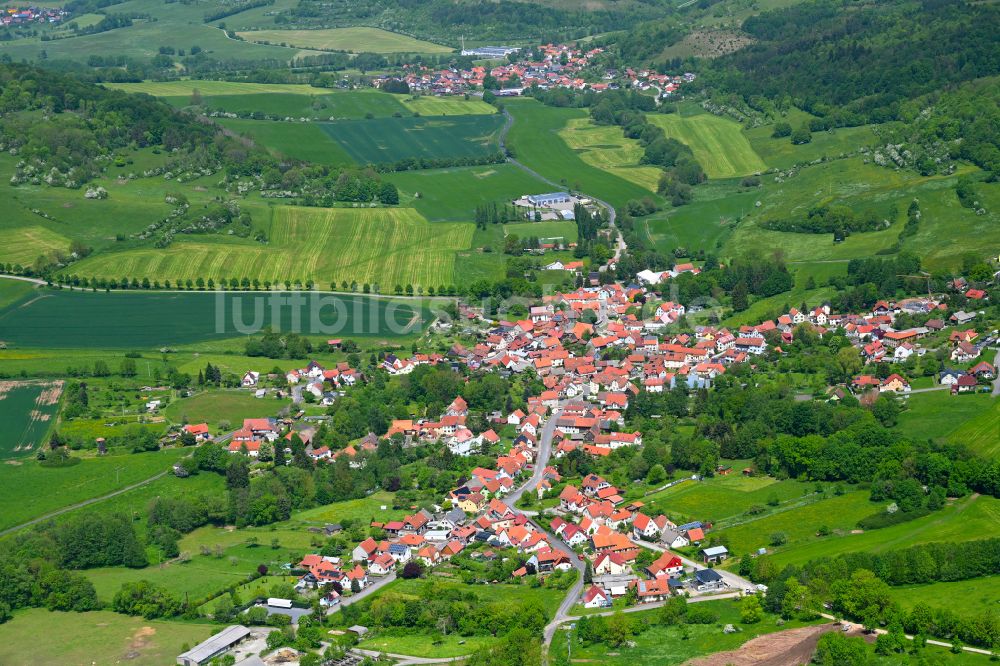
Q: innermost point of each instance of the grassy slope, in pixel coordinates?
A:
(966, 597)
(782, 153)
(718, 143)
(535, 141)
(605, 147)
(922, 419)
(28, 490)
(966, 519)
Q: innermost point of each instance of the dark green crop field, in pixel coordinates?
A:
(383, 140)
(80, 320)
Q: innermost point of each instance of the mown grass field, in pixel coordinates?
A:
(28, 411)
(535, 141)
(968, 419)
(717, 143)
(385, 140)
(149, 320)
(982, 432)
(98, 638)
(451, 195)
(217, 406)
(24, 244)
(387, 246)
(966, 519)
(964, 597)
(606, 147)
(28, 490)
(661, 645)
(354, 40)
(364, 510)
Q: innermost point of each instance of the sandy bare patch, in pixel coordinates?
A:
(67, 205)
(784, 648)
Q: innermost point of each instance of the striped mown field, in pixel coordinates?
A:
(718, 143)
(606, 147)
(387, 246)
(23, 244)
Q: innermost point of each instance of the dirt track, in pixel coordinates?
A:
(784, 648)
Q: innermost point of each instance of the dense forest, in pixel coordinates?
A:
(859, 63)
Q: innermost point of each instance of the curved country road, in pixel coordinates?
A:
(78, 505)
(612, 215)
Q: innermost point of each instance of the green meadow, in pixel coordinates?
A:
(722, 497)
(965, 597)
(781, 153)
(966, 519)
(29, 490)
(223, 405)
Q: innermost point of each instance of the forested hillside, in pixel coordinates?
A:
(859, 63)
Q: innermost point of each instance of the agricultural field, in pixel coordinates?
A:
(605, 147)
(149, 320)
(175, 24)
(98, 638)
(353, 40)
(662, 645)
(386, 140)
(216, 407)
(24, 244)
(28, 411)
(451, 195)
(208, 89)
(535, 142)
(13, 291)
(427, 105)
(29, 490)
(387, 246)
(717, 143)
(300, 141)
(366, 509)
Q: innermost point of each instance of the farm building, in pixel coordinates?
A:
(548, 200)
(214, 646)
